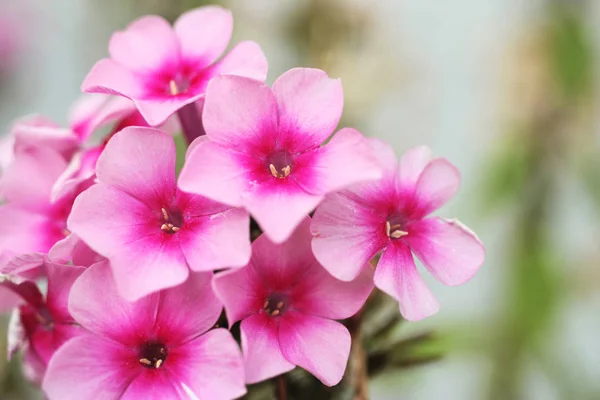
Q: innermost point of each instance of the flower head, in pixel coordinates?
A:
(265, 150)
(159, 347)
(287, 303)
(162, 68)
(41, 324)
(151, 231)
(352, 226)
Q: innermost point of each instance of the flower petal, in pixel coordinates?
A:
(245, 59)
(347, 234)
(151, 384)
(100, 309)
(263, 358)
(89, 367)
(318, 345)
(318, 293)
(240, 113)
(60, 280)
(397, 276)
(279, 206)
(187, 310)
(412, 164)
(146, 45)
(23, 232)
(28, 181)
(204, 34)
(310, 107)
(438, 182)
(209, 367)
(344, 161)
(449, 250)
(156, 109)
(217, 237)
(242, 290)
(213, 171)
(141, 162)
(109, 77)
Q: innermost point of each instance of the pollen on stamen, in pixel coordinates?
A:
(158, 363)
(285, 171)
(173, 89)
(273, 171)
(165, 214)
(145, 361)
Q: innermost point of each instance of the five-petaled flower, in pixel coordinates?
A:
(159, 347)
(287, 303)
(40, 324)
(163, 69)
(265, 148)
(353, 225)
(152, 232)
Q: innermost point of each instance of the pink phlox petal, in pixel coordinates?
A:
(245, 59)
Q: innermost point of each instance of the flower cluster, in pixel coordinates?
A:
(138, 263)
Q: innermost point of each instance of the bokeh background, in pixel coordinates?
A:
(505, 89)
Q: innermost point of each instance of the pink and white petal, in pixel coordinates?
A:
(241, 113)
(310, 107)
(100, 309)
(217, 241)
(263, 358)
(141, 162)
(187, 310)
(78, 175)
(204, 34)
(154, 384)
(282, 265)
(210, 366)
(320, 294)
(23, 232)
(9, 299)
(157, 109)
(73, 249)
(279, 206)
(449, 250)
(28, 181)
(149, 265)
(37, 131)
(83, 112)
(412, 164)
(110, 77)
(115, 110)
(319, 345)
(145, 46)
(242, 291)
(89, 367)
(347, 234)
(216, 172)
(245, 59)
(397, 276)
(108, 220)
(438, 182)
(28, 266)
(344, 161)
(45, 342)
(60, 280)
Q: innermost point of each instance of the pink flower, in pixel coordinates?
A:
(32, 223)
(159, 347)
(352, 226)
(150, 230)
(162, 68)
(41, 324)
(287, 303)
(265, 151)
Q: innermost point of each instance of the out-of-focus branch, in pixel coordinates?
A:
(358, 374)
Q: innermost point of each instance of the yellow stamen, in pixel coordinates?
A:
(274, 313)
(273, 171)
(280, 305)
(165, 227)
(175, 229)
(158, 363)
(286, 170)
(388, 228)
(165, 214)
(173, 88)
(145, 361)
(398, 234)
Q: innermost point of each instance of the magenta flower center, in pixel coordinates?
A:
(275, 304)
(171, 221)
(280, 164)
(153, 355)
(394, 227)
